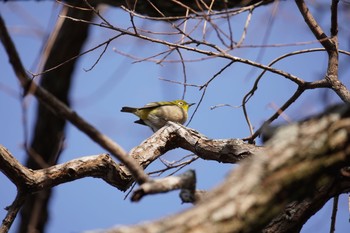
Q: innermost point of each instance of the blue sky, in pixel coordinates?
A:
(116, 81)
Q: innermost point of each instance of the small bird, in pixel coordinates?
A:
(157, 114)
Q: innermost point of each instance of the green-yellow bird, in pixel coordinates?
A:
(157, 114)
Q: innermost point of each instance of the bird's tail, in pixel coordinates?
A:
(128, 109)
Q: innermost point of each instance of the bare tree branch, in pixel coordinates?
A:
(218, 52)
(31, 181)
(299, 154)
(102, 166)
(12, 212)
(185, 181)
(296, 213)
(327, 43)
(331, 46)
(300, 160)
(174, 135)
(171, 136)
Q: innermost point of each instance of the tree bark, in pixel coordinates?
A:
(300, 167)
(65, 42)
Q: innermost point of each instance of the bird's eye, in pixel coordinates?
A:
(181, 103)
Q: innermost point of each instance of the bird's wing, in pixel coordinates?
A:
(155, 104)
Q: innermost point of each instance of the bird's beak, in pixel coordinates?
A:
(191, 104)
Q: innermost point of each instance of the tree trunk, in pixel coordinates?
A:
(65, 42)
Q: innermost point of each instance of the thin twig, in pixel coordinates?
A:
(170, 22)
(307, 85)
(267, 33)
(334, 214)
(291, 100)
(167, 54)
(183, 72)
(280, 112)
(217, 74)
(223, 105)
(182, 165)
(98, 13)
(245, 29)
(132, 16)
(180, 83)
(99, 57)
(184, 27)
(12, 212)
(176, 164)
(198, 104)
(227, 17)
(220, 53)
(137, 59)
(77, 56)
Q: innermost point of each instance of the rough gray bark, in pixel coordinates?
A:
(301, 162)
(298, 171)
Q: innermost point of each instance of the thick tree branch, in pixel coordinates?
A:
(174, 135)
(303, 153)
(171, 136)
(31, 181)
(298, 212)
(298, 161)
